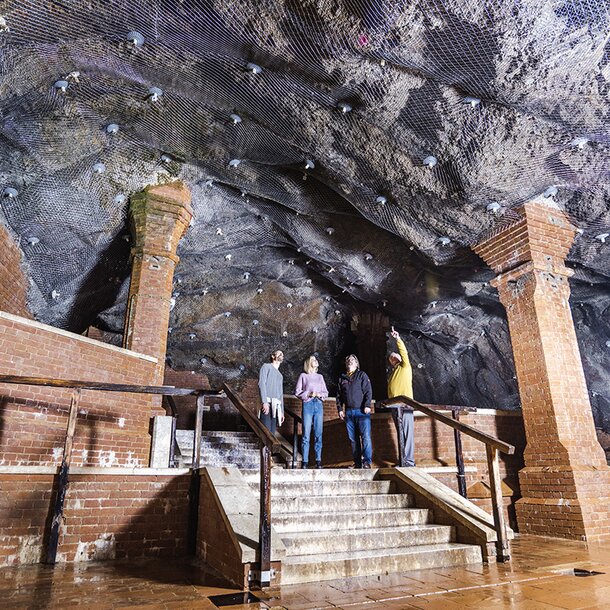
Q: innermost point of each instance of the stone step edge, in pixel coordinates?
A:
(398, 529)
(351, 555)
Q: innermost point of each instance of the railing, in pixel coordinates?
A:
(493, 445)
(296, 420)
(397, 411)
(268, 444)
(64, 469)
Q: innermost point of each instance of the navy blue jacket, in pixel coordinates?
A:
(354, 391)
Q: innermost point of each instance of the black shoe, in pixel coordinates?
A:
(319, 465)
(304, 465)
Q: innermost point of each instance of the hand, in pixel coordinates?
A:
(281, 420)
(395, 334)
(266, 408)
(313, 394)
(342, 414)
(367, 410)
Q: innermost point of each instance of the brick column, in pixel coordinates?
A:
(159, 217)
(566, 482)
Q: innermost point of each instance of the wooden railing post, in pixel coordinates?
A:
(295, 441)
(495, 483)
(62, 480)
(459, 456)
(194, 489)
(264, 545)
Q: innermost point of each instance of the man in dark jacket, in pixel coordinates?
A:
(354, 394)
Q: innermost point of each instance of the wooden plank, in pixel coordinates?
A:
(265, 518)
(63, 480)
(106, 387)
(495, 483)
(253, 422)
(457, 425)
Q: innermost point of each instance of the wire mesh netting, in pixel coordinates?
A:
(336, 150)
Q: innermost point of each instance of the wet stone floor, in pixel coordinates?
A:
(541, 575)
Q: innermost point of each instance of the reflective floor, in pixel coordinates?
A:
(541, 575)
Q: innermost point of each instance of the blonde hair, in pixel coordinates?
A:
(308, 367)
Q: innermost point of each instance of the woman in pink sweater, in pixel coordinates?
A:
(311, 389)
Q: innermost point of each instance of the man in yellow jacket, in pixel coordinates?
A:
(400, 383)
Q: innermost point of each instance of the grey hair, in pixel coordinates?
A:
(355, 358)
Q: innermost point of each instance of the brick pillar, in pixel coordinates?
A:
(566, 482)
(159, 217)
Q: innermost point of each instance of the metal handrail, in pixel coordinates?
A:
(493, 445)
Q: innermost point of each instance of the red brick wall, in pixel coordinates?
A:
(13, 284)
(107, 516)
(112, 428)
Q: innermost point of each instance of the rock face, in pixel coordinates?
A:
(343, 156)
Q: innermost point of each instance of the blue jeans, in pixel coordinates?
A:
(313, 413)
(359, 431)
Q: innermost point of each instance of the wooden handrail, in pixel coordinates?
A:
(492, 441)
(493, 445)
(165, 390)
(253, 422)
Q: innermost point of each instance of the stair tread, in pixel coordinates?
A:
(400, 529)
(352, 555)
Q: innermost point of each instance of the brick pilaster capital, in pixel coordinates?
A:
(160, 215)
(540, 238)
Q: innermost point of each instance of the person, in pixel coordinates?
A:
(271, 386)
(311, 389)
(354, 394)
(400, 383)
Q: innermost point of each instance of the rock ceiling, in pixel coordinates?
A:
(342, 155)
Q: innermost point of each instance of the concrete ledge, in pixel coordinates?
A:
(74, 336)
(84, 470)
(240, 508)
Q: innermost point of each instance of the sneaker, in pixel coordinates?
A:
(304, 465)
(319, 465)
(368, 466)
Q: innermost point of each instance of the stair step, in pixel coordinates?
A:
(331, 504)
(326, 488)
(350, 520)
(227, 434)
(324, 474)
(312, 543)
(348, 564)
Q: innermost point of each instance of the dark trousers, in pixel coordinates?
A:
(268, 421)
(358, 426)
(405, 428)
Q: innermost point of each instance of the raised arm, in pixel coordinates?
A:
(404, 355)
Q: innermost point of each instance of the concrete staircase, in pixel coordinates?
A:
(220, 448)
(338, 523)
